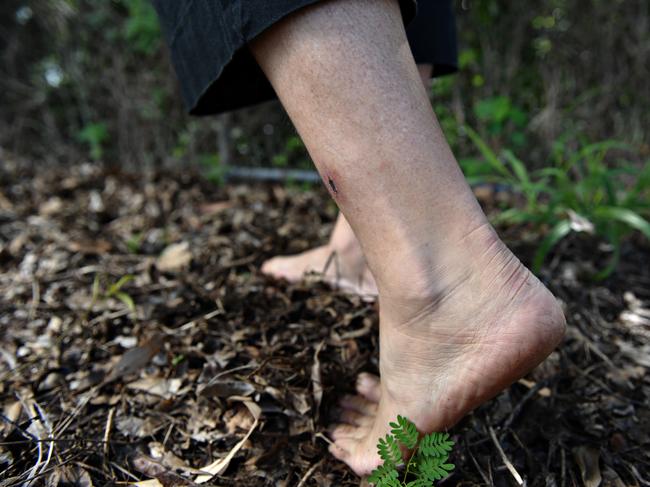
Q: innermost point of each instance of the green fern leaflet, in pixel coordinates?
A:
(385, 476)
(389, 451)
(428, 461)
(434, 468)
(436, 444)
(405, 432)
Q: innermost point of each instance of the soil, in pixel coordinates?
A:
(140, 341)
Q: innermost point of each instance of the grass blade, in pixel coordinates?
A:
(557, 233)
(488, 153)
(624, 215)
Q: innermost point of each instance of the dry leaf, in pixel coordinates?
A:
(221, 465)
(136, 358)
(175, 257)
(12, 413)
(316, 382)
(158, 386)
(163, 476)
(587, 459)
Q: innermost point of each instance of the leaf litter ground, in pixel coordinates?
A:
(141, 342)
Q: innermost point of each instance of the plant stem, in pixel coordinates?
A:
(408, 465)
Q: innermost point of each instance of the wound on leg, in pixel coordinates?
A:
(332, 185)
(332, 180)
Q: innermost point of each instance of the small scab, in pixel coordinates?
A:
(332, 185)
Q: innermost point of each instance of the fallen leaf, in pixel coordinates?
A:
(221, 465)
(226, 389)
(238, 418)
(162, 475)
(587, 459)
(50, 207)
(136, 358)
(175, 257)
(70, 475)
(316, 382)
(158, 386)
(12, 414)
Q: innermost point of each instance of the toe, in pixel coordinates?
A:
(270, 267)
(341, 431)
(344, 446)
(368, 386)
(339, 452)
(355, 418)
(359, 404)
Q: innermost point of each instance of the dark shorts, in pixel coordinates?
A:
(208, 43)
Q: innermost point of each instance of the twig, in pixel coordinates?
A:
(505, 459)
(107, 431)
(48, 427)
(123, 470)
(309, 473)
(185, 326)
(36, 297)
(89, 395)
(478, 467)
(517, 409)
(324, 438)
(109, 316)
(35, 411)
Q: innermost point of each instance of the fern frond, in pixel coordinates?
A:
(435, 445)
(434, 468)
(405, 431)
(385, 476)
(389, 451)
(419, 483)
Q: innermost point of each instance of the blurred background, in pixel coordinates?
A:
(92, 79)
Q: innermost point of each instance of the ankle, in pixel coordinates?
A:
(431, 271)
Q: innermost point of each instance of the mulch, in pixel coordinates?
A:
(140, 341)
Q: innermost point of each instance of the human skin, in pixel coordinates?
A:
(340, 262)
(460, 318)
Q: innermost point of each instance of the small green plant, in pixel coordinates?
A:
(214, 171)
(112, 291)
(134, 242)
(95, 136)
(427, 462)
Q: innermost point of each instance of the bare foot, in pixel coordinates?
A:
(340, 263)
(447, 348)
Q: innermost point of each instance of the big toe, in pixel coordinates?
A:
(277, 267)
(353, 452)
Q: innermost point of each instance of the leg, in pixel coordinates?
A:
(460, 317)
(350, 272)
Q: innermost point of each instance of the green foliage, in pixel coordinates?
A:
(214, 171)
(428, 461)
(578, 192)
(141, 28)
(389, 450)
(292, 154)
(94, 135)
(436, 444)
(500, 117)
(113, 290)
(134, 242)
(405, 432)
(385, 476)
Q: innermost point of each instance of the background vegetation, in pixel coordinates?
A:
(92, 78)
(551, 101)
